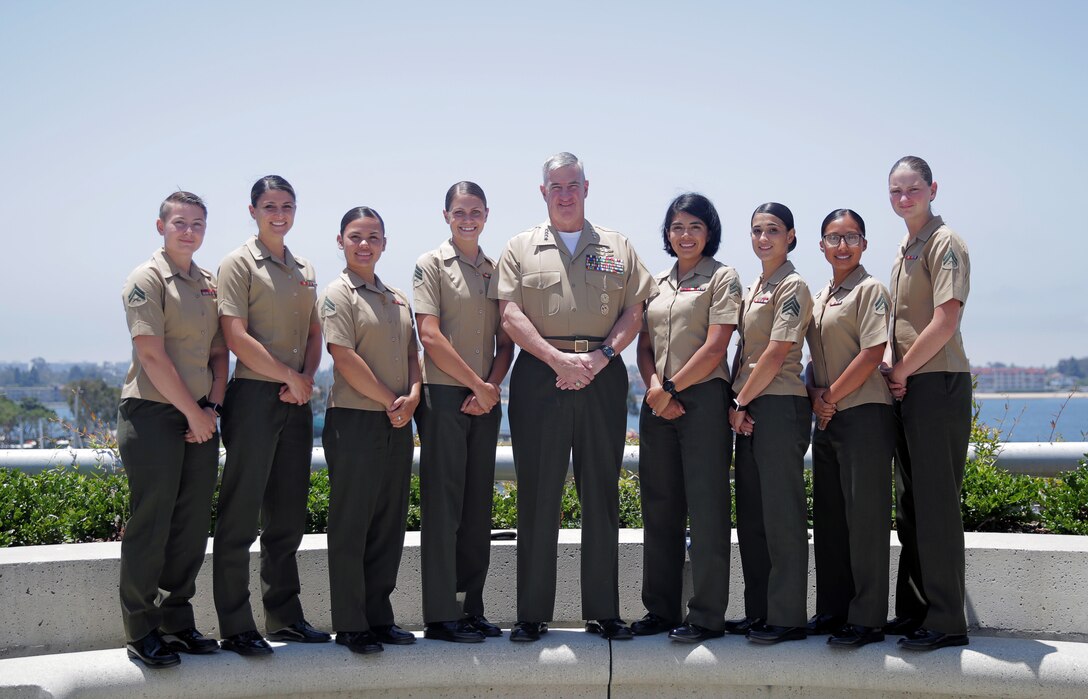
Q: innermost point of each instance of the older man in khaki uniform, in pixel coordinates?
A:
(570, 295)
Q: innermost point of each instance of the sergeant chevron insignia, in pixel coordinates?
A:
(792, 307)
(735, 288)
(950, 261)
(881, 306)
(328, 308)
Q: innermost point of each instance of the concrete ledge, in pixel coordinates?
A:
(60, 599)
(573, 664)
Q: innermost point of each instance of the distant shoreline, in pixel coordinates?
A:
(1034, 394)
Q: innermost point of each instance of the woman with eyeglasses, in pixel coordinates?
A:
(928, 373)
(771, 417)
(853, 441)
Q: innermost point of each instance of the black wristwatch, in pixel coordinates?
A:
(669, 387)
(217, 408)
(738, 407)
(607, 351)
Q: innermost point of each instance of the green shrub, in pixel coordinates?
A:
(1064, 508)
(504, 510)
(992, 499)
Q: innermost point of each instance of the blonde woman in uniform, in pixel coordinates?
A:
(466, 355)
(167, 436)
(853, 442)
(368, 436)
(685, 454)
(928, 373)
(771, 416)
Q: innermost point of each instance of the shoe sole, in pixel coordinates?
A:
(293, 639)
(448, 639)
(934, 646)
(853, 643)
(179, 648)
(772, 641)
(154, 664)
(701, 639)
(249, 652)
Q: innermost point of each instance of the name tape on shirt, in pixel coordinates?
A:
(604, 263)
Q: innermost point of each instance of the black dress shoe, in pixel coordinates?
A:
(651, 624)
(693, 633)
(924, 639)
(824, 624)
(151, 652)
(189, 641)
(526, 631)
(246, 643)
(769, 635)
(741, 627)
(481, 624)
(393, 635)
(854, 636)
(300, 632)
(902, 625)
(363, 642)
(453, 631)
(610, 629)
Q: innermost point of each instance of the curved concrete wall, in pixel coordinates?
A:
(59, 599)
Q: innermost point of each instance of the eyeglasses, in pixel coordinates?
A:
(852, 239)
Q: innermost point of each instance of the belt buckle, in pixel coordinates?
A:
(581, 345)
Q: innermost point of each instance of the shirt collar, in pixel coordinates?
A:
(168, 269)
(260, 251)
(779, 274)
(448, 251)
(357, 282)
(926, 233)
(852, 280)
(547, 236)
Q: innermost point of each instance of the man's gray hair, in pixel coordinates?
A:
(563, 159)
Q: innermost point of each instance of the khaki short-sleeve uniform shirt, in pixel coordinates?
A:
(178, 306)
(846, 319)
(930, 269)
(777, 308)
(680, 316)
(376, 321)
(455, 290)
(572, 296)
(278, 301)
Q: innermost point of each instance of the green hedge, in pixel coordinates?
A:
(72, 506)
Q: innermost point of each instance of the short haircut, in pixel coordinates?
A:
(701, 208)
(180, 197)
(563, 159)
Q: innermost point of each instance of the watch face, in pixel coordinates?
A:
(608, 351)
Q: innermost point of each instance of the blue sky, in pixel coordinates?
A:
(108, 107)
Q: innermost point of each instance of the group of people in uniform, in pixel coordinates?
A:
(887, 375)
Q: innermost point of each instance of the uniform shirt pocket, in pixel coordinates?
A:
(543, 291)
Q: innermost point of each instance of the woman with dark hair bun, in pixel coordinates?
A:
(771, 416)
(853, 442)
(268, 312)
(368, 436)
(928, 373)
(685, 453)
(466, 354)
